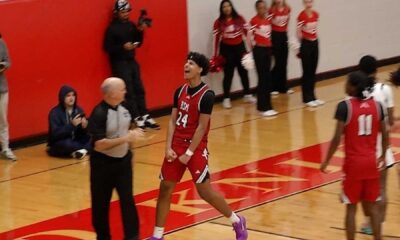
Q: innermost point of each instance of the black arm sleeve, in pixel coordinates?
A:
(207, 102)
(341, 112)
(97, 124)
(176, 97)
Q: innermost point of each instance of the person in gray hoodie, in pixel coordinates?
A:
(68, 136)
(4, 135)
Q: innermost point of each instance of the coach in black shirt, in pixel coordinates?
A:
(111, 160)
(121, 39)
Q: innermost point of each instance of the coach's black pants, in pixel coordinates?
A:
(233, 56)
(107, 173)
(280, 52)
(309, 61)
(262, 58)
(129, 71)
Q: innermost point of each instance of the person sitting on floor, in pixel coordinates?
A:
(67, 135)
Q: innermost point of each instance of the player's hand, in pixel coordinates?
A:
(170, 155)
(129, 46)
(76, 120)
(324, 167)
(184, 159)
(381, 163)
(84, 122)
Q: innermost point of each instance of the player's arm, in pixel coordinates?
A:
(385, 139)
(390, 104)
(333, 145)
(108, 143)
(169, 153)
(341, 117)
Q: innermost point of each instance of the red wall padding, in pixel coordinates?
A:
(60, 42)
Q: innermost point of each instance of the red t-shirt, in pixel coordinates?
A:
(308, 25)
(279, 18)
(261, 30)
(230, 32)
(188, 115)
(362, 119)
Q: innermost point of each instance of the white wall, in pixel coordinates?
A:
(348, 29)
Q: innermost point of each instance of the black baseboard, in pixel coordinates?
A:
(165, 110)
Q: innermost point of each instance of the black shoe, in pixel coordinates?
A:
(150, 123)
(140, 123)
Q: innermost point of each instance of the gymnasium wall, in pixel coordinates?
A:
(347, 31)
(52, 43)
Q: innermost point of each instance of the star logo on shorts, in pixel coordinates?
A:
(197, 172)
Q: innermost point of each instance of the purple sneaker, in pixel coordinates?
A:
(240, 229)
(154, 238)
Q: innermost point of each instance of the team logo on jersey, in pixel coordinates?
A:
(184, 106)
(364, 105)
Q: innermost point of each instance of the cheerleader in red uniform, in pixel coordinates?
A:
(260, 33)
(307, 33)
(229, 30)
(280, 15)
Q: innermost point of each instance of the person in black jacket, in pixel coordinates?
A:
(121, 39)
(67, 127)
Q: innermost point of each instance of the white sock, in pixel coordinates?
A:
(234, 218)
(158, 232)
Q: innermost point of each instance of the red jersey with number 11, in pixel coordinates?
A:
(361, 133)
(188, 115)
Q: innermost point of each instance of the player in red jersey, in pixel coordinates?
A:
(307, 22)
(359, 119)
(186, 147)
(260, 33)
(280, 15)
(229, 31)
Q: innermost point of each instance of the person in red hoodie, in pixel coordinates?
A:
(260, 33)
(229, 30)
(307, 33)
(280, 15)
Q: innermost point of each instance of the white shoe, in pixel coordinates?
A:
(290, 91)
(269, 113)
(249, 99)
(274, 93)
(8, 154)
(226, 103)
(79, 154)
(319, 102)
(312, 104)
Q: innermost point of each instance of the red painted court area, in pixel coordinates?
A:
(244, 187)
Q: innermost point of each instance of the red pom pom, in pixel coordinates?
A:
(217, 63)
